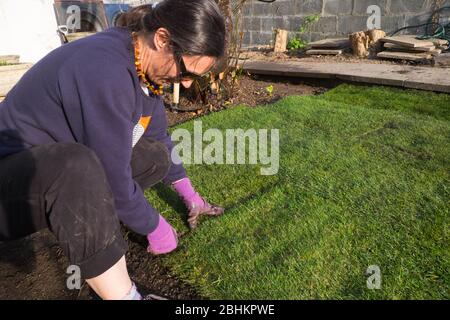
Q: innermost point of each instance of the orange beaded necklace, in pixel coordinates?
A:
(154, 89)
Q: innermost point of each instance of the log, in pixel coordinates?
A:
(375, 45)
(281, 40)
(360, 44)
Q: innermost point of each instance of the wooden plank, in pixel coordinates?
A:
(10, 59)
(397, 47)
(281, 40)
(10, 75)
(404, 56)
(408, 41)
(323, 52)
(340, 43)
(415, 77)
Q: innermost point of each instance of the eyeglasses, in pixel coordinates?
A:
(183, 73)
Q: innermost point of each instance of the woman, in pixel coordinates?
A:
(84, 132)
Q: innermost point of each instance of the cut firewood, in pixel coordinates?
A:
(340, 43)
(408, 41)
(323, 52)
(404, 56)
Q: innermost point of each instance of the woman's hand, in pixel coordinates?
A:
(196, 205)
(196, 210)
(163, 239)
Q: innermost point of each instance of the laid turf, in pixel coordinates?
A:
(363, 180)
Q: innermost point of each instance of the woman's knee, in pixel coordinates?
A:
(150, 162)
(80, 205)
(76, 157)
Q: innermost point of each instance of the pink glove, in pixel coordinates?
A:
(163, 239)
(195, 204)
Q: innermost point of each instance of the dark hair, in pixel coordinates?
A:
(196, 27)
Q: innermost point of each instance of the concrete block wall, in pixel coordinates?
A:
(338, 17)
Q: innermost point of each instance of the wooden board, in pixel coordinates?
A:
(323, 52)
(394, 46)
(404, 56)
(408, 41)
(340, 43)
(414, 77)
(10, 59)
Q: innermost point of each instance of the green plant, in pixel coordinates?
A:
(269, 90)
(297, 42)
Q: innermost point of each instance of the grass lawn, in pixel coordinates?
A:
(363, 180)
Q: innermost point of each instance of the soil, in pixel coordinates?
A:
(35, 267)
(251, 91)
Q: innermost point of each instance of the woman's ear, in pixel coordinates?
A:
(161, 39)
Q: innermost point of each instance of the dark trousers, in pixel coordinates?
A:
(63, 187)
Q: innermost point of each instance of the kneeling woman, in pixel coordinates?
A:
(84, 132)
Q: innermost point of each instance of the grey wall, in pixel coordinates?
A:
(338, 17)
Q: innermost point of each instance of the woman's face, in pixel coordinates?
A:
(168, 68)
(165, 67)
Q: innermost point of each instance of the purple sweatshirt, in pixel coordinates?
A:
(88, 92)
